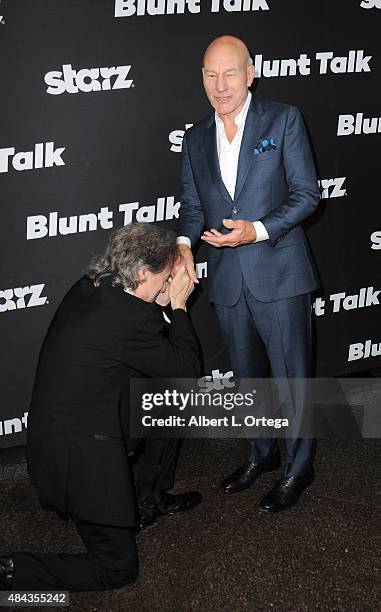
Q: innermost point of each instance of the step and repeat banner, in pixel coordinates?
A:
(96, 96)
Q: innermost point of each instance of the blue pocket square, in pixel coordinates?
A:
(264, 145)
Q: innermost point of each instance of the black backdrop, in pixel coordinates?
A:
(121, 129)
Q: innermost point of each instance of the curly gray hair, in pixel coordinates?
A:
(135, 246)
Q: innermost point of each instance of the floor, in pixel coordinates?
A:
(323, 554)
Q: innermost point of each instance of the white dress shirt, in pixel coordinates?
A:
(228, 155)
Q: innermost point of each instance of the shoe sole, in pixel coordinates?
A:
(169, 514)
(196, 503)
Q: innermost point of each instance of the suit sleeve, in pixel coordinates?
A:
(191, 219)
(299, 168)
(161, 353)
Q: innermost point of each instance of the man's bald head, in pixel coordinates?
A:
(228, 72)
(236, 44)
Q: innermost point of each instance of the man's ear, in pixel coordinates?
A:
(142, 275)
(250, 75)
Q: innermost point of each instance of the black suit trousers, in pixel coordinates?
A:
(157, 469)
(111, 562)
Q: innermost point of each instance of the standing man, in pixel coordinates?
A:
(248, 176)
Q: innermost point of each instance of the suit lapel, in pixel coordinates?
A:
(250, 139)
(212, 157)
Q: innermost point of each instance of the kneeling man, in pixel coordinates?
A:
(107, 330)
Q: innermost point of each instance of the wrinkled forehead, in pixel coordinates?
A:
(225, 55)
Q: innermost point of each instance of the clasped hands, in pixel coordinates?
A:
(177, 288)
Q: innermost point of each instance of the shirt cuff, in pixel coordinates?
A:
(261, 231)
(166, 317)
(185, 240)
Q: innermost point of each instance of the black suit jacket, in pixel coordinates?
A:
(98, 340)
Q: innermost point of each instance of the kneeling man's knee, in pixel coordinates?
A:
(116, 579)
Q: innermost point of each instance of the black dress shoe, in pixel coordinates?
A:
(168, 504)
(286, 492)
(248, 473)
(6, 573)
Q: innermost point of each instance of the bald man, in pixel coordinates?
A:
(249, 181)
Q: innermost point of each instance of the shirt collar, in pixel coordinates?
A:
(241, 117)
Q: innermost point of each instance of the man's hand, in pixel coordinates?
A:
(188, 262)
(163, 298)
(180, 288)
(242, 232)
